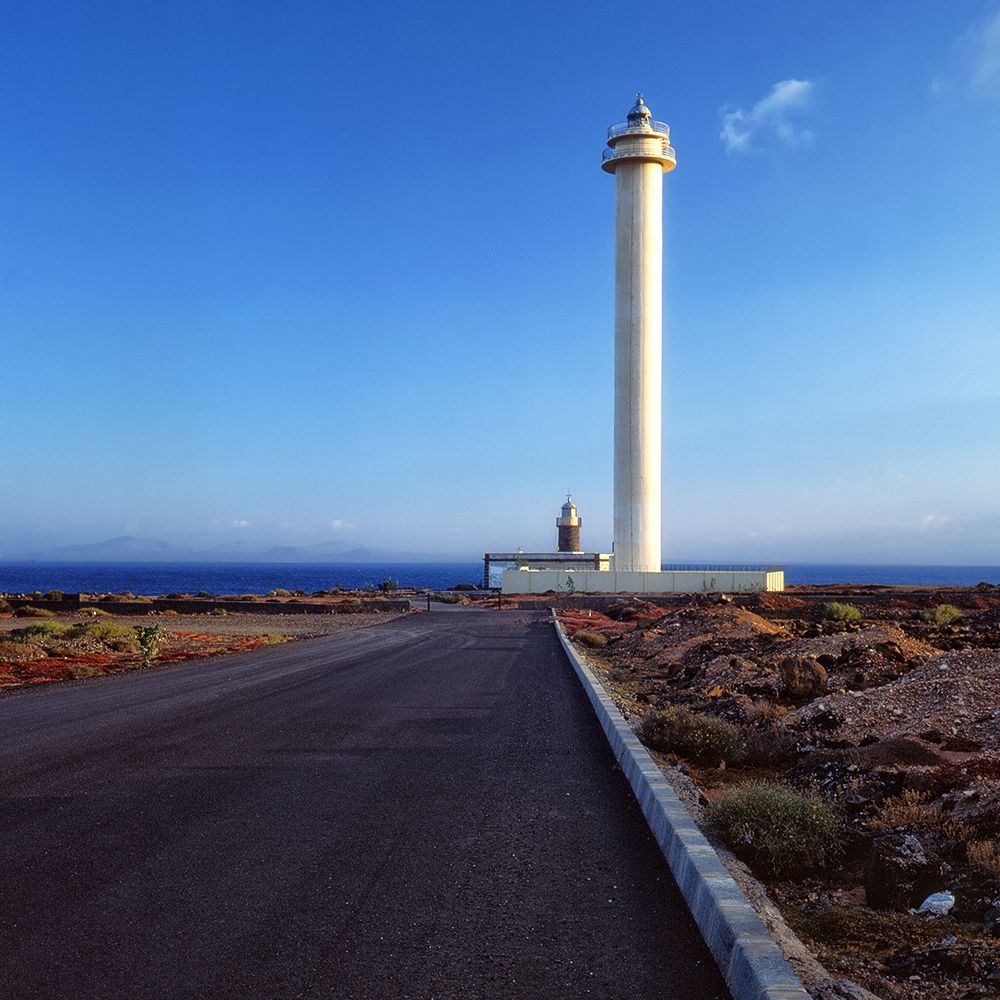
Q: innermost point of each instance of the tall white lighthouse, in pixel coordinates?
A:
(639, 154)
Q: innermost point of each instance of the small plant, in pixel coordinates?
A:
(837, 612)
(943, 614)
(55, 595)
(149, 638)
(592, 639)
(4, 607)
(912, 808)
(444, 598)
(275, 639)
(30, 611)
(387, 585)
(985, 855)
(778, 830)
(704, 739)
(219, 612)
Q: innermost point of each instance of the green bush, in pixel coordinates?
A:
(446, 598)
(275, 639)
(837, 612)
(704, 739)
(943, 614)
(593, 639)
(39, 631)
(4, 607)
(95, 612)
(388, 584)
(55, 595)
(29, 611)
(149, 637)
(219, 612)
(779, 831)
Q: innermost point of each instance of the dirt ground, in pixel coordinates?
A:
(894, 717)
(83, 645)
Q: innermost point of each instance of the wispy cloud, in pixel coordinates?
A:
(974, 63)
(771, 116)
(934, 522)
(241, 523)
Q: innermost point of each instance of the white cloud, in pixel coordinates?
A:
(932, 522)
(974, 63)
(338, 524)
(241, 523)
(771, 115)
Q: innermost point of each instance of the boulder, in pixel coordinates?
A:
(900, 872)
(802, 678)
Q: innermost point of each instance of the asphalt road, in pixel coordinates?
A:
(426, 809)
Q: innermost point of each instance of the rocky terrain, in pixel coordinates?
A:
(887, 710)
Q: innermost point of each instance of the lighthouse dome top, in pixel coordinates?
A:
(569, 508)
(640, 112)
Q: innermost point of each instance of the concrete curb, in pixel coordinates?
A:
(751, 962)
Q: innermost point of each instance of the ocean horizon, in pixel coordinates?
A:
(258, 578)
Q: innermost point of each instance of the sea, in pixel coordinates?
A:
(259, 578)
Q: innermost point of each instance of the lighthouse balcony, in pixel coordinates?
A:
(639, 128)
(664, 155)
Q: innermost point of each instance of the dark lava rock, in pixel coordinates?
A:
(900, 872)
(802, 678)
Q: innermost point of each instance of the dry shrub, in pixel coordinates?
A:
(958, 831)
(29, 611)
(704, 739)
(985, 855)
(770, 747)
(912, 808)
(119, 638)
(778, 830)
(4, 607)
(80, 672)
(95, 612)
(18, 650)
(275, 639)
(592, 639)
(762, 712)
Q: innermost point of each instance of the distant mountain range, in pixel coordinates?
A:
(128, 548)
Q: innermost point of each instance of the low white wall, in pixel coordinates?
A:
(528, 581)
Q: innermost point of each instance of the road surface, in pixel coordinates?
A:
(426, 809)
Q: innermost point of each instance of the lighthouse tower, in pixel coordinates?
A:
(639, 154)
(568, 524)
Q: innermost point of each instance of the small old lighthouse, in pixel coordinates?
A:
(639, 154)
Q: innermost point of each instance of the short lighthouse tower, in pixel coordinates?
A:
(639, 154)
(568, 525)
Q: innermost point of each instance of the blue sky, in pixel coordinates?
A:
(292, 272)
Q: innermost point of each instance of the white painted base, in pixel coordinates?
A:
(540, 581)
